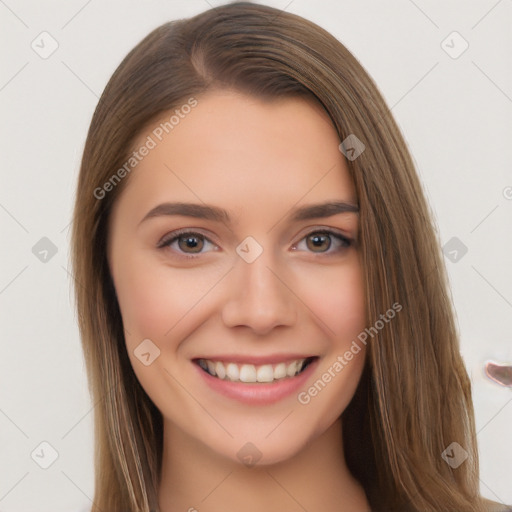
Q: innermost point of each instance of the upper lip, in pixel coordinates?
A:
(255, 360)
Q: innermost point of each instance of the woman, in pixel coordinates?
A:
(262, 300)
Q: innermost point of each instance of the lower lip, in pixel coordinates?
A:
(258, 394)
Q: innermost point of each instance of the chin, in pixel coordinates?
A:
(266, 445)
(262, 453)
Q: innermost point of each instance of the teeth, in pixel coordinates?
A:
(291, 369)
(220, 371)
(265, 373)
(250, 373)
(280, 371)
(211, 367)
(232, 371)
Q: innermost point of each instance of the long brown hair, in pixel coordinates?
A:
(414, 397)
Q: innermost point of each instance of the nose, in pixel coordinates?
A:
(259, 297)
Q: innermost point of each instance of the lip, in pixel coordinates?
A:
(258, 393)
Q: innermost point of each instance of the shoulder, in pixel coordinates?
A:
(494, 506)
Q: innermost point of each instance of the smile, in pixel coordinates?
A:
(250, 373)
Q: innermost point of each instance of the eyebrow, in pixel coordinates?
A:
(214, 213)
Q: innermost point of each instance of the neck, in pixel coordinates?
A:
(196, 479)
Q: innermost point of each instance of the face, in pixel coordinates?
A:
(233, 250)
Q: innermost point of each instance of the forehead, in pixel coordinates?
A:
(235, 148)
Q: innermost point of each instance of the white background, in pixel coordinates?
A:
(456, 116)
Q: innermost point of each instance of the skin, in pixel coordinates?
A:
(258, 160)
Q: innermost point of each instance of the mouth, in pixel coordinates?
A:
(254, 374)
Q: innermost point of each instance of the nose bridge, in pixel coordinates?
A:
(257, 296)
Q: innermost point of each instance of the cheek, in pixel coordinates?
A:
(158, 301)
(336, 296)
(150, 301)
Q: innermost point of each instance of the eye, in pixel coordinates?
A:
(188, 243)
(322, 241)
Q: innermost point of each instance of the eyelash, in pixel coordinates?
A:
(175, 235)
